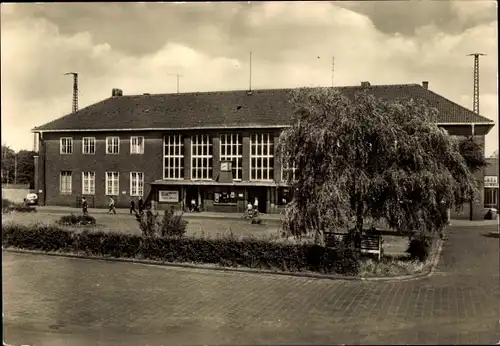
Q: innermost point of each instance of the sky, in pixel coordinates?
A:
(138, 48)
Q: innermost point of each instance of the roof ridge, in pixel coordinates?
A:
(459, 105)
(268, 89)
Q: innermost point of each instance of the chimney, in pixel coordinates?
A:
(116, 92)
(425, 84)
(365, 84)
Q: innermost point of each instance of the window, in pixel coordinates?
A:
(288, 169)
(173, 157)
(66, 145)
(137, 145)
(88, 183)
(112, 145)
(201, 157)
(228, 196)
(490, 197)
(112, 183)
(65, 182)
(88, 145)
(231, 150)
(261, 157)
(136, 184)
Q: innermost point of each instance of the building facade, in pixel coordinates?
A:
(491, 184)
(217, 149)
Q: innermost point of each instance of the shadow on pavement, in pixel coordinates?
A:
(491, 235)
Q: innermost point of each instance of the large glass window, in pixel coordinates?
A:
(201, 157)
(491, 197)
(288, 169)
(173, 161)
(261, 157)
(231, 150)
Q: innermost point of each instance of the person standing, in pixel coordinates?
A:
(141, 205)
(111, 206)
(85, 206)
(132, 206)
(256, 205)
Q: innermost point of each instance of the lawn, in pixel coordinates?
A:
(207, 227)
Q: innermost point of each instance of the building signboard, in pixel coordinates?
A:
(490, 181)
(168, 196)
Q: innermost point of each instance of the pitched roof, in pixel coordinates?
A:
(263, 108)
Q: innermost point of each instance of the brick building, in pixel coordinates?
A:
(217, 148)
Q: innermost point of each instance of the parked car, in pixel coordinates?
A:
(31, 199)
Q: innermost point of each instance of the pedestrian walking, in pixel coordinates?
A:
(85, 206)
(132, 206)
(141, 206)
(111, 206)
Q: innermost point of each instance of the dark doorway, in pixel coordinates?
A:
(261, 194)
(192, 193)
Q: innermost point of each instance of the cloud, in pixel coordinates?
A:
(136, 47)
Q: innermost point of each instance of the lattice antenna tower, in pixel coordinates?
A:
(75, 90)
(475, 106)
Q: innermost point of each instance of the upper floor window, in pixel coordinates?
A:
(88, 145)
(173, 157)
(112, 145)
(136, 145)
(288, 169)
(67, 145)
(261, 157)
(231, 150)
(65, 182)
(201, 157)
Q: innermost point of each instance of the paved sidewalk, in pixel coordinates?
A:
(59, 301)
(203, 214)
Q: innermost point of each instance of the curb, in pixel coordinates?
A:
(427, 272)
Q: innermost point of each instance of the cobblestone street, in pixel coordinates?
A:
(61, 301)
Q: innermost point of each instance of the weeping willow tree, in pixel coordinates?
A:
(369, 159)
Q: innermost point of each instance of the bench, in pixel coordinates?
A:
(371, 243)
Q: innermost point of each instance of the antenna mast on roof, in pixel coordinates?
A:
(178, 75)
(333, 69)
(75, 90)
(475, 106)
(250, 76)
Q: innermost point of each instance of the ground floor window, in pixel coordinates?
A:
(66, 182)
(228, 196)
(112, 183)
(88, 183)
(136, 184)
(491, 197)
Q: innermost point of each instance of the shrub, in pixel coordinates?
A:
(419, 248)
(256, 221)
(9, 206)
(73, 219)
(168, 225)
(225, 251)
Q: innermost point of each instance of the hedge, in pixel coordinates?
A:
(9, 206)
(73, 219)
(228, 252)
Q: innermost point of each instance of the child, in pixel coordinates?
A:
(141, 206)
(132, 206)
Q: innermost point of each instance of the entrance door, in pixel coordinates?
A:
(192, 193)
(261, 194)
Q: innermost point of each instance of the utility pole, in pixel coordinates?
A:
(333, 69)
(178, 76)
(75, 90)
(250, 75)
(15, 168)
